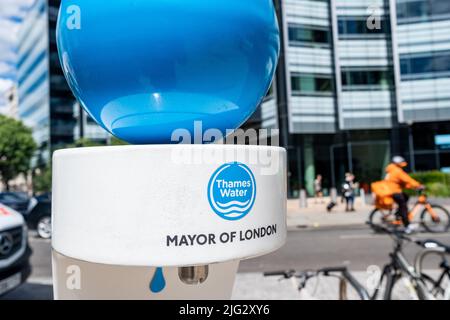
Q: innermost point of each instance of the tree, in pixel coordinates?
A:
(86, 142)
(117, 142)
(83, 143)
(42, 180)
(17, 147)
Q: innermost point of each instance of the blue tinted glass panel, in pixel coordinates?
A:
(359, 26)
(308, 34)
(423, 10)
(433, 64)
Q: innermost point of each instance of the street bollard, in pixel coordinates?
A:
(333, 195)
(303, 199)
(362, 194)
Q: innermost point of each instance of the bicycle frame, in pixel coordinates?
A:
(346, 277)
(421, 203)
(437, 285)
(393, 271)
(342, 273)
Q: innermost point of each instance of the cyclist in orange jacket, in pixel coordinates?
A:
(399, 180)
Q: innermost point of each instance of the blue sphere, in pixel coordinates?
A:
(145, 68)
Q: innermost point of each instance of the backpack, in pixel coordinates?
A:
(383, 194)
(347, 190)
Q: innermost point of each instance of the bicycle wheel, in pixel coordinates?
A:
(381, 217)
(398, 287)
(435, 226)
(383, 291)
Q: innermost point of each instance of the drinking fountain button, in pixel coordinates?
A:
(193, 275)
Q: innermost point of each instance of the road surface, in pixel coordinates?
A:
(356, 247)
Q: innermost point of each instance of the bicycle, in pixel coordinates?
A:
(437, 288)
(422, 286)
(434, 218)
(341, 273)
(399, 268)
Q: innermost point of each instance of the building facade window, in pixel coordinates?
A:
(430, 65)
(311, 85)
(366, 79)
(300, 35)
(356, 27)
(422, 10)
(90, 120)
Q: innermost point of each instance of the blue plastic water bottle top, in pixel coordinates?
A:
(143, 69)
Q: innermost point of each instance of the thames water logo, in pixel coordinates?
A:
(232, 191)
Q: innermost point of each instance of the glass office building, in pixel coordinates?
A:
(34, 78)
(9, 103)
(359, 81)
(45, 102)
(68, 121)
(62, 102)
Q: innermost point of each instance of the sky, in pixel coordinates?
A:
(12, 13)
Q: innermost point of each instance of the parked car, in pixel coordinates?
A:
(39, 215)
(14, 250)
(18, 201)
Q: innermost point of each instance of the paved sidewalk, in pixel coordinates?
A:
(316, 215)
(254, 286)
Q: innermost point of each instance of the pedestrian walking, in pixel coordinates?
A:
(318, 191)
(348, 192)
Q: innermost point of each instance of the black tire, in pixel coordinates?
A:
(433, 227)
(396, 290)
(43, 227)
(391, 280)
(434, 288)
(386, 285)
(376, 217)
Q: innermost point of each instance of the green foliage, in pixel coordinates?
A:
(16, 148)
(431, 177)
(42, 180)
(84, 143)
(117, 142)
(436, 182)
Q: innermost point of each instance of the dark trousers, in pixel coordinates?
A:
(349, 203)
(402, 200)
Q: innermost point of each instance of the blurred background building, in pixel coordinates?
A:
(10, 104)
(69, 121)
(45, 102)
(33, 78)
(359, 81)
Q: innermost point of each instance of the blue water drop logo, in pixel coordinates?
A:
(158, 282)
(232, 191)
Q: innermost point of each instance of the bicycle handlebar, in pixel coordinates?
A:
(421, 189)
(284, 273)
(433, 245)
(427, 244)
